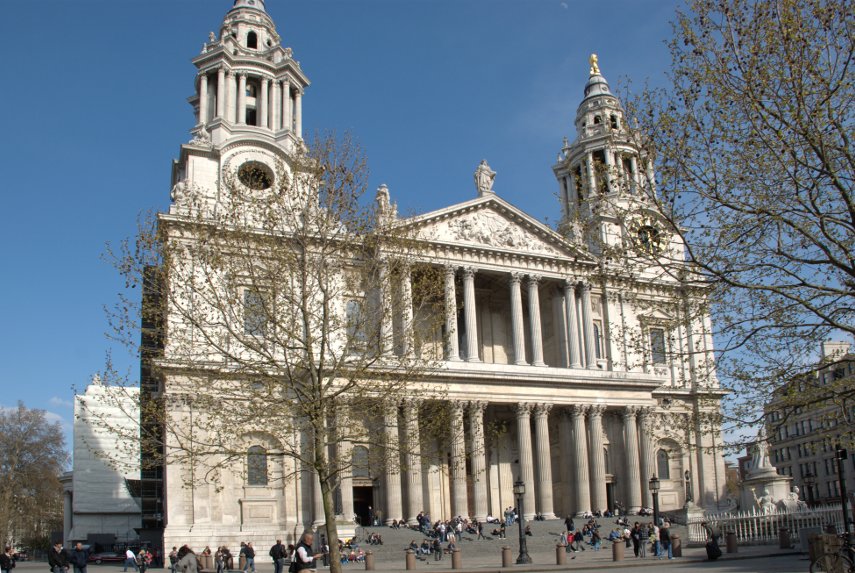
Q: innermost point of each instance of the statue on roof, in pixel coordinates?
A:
(595, 68)
(484, 177)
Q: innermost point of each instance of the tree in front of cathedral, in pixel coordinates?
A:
(32, 457)
(755, 171)
(285, 324)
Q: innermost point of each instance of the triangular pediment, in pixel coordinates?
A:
(491, 223)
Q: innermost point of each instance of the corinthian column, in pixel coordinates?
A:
(318, 517)
(241, 119)
(452, 349)
(459, 499)
(572, 324)
(471, 315)
(478, 456)
(534, 321)
(221, 92)
(646, 446)
(415, 501)
(599, 501)
(544, 461)
(526, 466)
(580, 460)
(386, 332)
(275, 105)
(298, 113)
(588, 324)
(287, 118)
(407, 311)
(630, 438)
(229, 97)
(203, 98)
(393, 471)
(345, 448)
(517, 319)
(262, 103)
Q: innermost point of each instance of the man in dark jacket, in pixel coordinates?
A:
(277, 552)
(665, 541)
(7, 560)
(79, 557)
(304, 559)
(58, 559)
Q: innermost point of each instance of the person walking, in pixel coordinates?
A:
(437, 549)
(304, 559)
(79, 558)
(249, 554)
(173, 559)
(665, 541)
(130, 559)
(187, 561)
(635, 535)
(58, 559)
(277, 553)
(7, 560)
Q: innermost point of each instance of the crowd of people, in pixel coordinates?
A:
(641, 537)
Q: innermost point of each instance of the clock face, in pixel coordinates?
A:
(255, 175)
(649, 239)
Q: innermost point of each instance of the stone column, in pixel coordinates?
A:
(588, 322)
(565, 468)
(203, 98)
(241, 111)
(478, 457)
(599, 501)
(407, 311)
(471, 315)
(229, 100)
(459, 499)
(633, 161)
(452, 349)
(386, 331)
(393, 512)
(287, 121)
(221, 92)
(67, 513)
(572, 324)
(262, 103)
(545, 502)
(275, 106)
(517, 319)
(582, 484)
(592, 177)
(415, 499)
(526, 466)
(298, 113)
(534, 321)
(318, 517)
(633, 479)
(558, 305)
(645, 416)
(345, 482)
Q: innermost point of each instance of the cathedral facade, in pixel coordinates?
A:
(598, 379)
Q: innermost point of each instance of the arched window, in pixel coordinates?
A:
(252, 40)
(256, 466)
(359, 462)
(597, 120)
(613, 120)
(663, 467)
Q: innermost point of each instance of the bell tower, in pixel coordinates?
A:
(248, 84)
(604, 175)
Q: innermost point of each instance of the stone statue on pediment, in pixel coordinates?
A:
(484, 177)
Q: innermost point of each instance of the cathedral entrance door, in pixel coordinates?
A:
(363, 499)
(610, 495)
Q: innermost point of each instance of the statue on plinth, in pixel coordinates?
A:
(484, 177)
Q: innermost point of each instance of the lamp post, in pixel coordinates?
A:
(519, 491)
(653, 485)
(810, 481)
(840, 454)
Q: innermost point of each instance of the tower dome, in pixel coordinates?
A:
(257, 4)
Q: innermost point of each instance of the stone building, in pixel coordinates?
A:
(803, 439)
(597, 379)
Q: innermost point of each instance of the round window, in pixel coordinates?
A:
(649, 239)
(255, 175)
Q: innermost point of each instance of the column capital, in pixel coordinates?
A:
(230, 73)
(542, 410)
(586, 285)
(597, 410)
(524, 409)
(577, 410)
(516, 277)
(265, 80)
(450, 270)
(457, 407)
(570, 283)
(469, 272)
(533, 279)
(477, 406)
(630, 412)
(411, 405)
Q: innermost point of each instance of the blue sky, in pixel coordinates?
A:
(95, 93)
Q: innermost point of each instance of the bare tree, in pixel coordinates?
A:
(32, 457)
(290, 319)
(752, 146)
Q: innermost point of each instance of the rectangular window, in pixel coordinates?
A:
(254, 313)
(657, 345)
(598, 340)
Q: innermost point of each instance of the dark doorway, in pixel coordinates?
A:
(610, 496)
(363, 500)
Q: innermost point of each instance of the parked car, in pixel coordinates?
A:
(22, 555)
(108, 557)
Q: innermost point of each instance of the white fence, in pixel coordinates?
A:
(756, 528)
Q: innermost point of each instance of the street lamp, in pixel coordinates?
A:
(840, 454)
(809, 481)
(519, 491)
(654, 489)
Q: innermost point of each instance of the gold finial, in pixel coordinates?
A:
(595, 69)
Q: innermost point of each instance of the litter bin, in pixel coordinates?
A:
(560, 555)
(618, 549)
(730, 542)
(507, 558)
(242, 562)
(411, 559)
(676, 545)
(456, 559)
(369, 560)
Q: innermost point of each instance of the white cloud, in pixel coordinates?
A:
(565, 5)
(57, 401)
